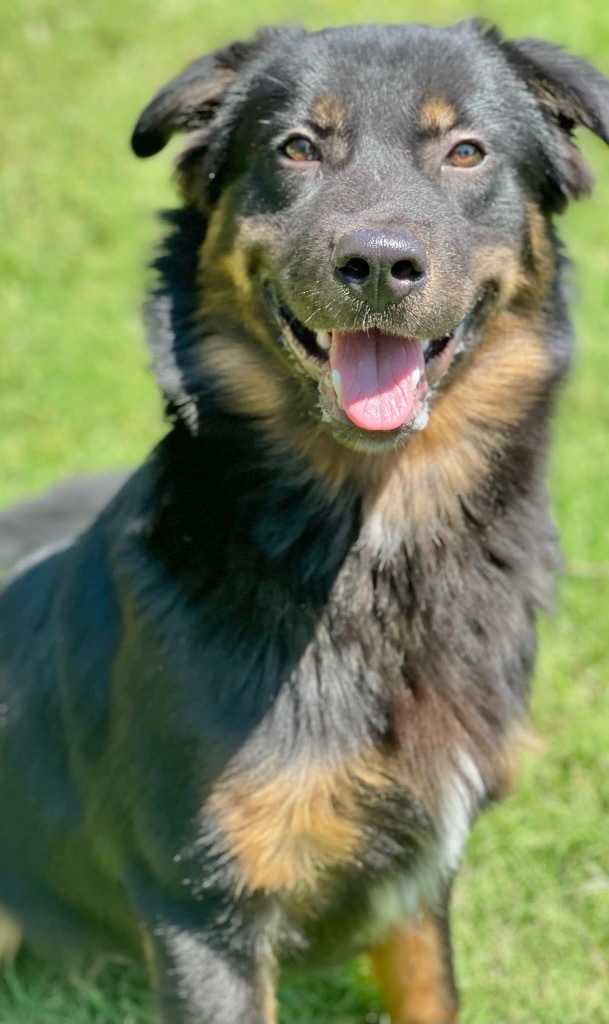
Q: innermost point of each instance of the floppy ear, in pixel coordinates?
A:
(190, 101)
(570, 93)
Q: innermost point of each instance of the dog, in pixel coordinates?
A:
(61, 514)
(250, 715)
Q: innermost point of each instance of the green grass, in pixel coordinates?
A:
(532, 904)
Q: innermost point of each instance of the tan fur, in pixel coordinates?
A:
(411, 970)
(520, 285)
(520, 742)
(329, 115)
(542, 255)
(498, 388)
(11, 934)
(287, 832)
(269, 998)
(198, 93)
(202, 90)
(253, 377)
(449, 459)
(251, 382)
(226, 267)
(437, 116)
(328, 112)
(438, 466)
(503, 265)
(258, 380)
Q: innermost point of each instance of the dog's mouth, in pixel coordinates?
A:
(372, 380)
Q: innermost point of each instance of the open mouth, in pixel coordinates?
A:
(370, 379)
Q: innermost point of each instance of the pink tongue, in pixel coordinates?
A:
(377, 373)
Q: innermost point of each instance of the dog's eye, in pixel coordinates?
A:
(465, 154)
(300, 148)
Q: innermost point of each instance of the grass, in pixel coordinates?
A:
(532, 903)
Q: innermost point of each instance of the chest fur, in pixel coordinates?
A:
(374, 757)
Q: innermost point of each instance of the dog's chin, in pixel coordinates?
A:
(374, 388)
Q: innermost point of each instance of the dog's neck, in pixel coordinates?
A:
(228, 505)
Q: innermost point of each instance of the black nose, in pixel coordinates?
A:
(380, 266)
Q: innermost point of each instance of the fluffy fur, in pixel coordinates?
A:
(249, 716)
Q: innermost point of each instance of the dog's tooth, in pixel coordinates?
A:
(416, 377)
(323, 340)
(337, 384)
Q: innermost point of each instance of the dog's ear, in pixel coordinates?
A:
(570, 92)
(190, 101)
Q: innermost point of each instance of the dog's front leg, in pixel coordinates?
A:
(413, 968)
(198, 982)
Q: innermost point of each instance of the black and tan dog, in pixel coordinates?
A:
(249, 716)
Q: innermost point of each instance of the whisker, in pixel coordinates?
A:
(272, 78)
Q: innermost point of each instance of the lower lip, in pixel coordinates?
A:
(437, 367)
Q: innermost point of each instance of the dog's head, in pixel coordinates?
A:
(369, 199)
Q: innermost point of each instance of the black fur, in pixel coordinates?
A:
(57, 516)
(265, 612)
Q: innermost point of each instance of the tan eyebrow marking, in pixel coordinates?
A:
(328, 112)
(437, 115)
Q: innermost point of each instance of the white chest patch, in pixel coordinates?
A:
(400, 898)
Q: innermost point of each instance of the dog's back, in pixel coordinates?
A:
(59, 514)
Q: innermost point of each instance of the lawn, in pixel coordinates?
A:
(532, 904)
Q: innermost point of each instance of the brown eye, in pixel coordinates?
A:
(300, 148)
(465, 154)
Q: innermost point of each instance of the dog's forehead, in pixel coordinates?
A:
(428, 73)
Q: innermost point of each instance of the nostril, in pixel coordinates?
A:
(355, 269)
(406, 270)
